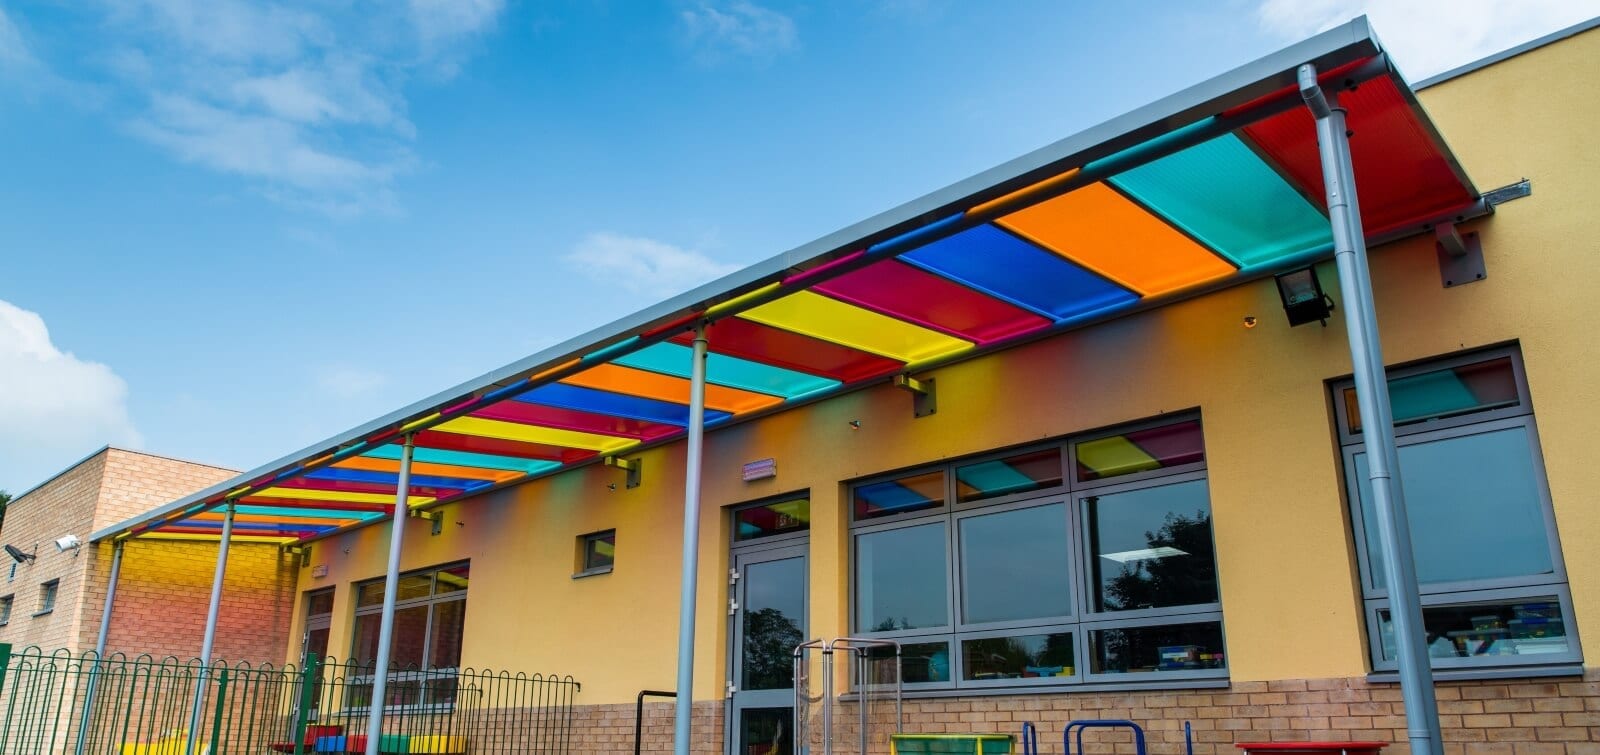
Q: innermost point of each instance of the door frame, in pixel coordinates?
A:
(741, 557)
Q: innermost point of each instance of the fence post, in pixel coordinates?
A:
(308, 678)
(216, 721)
(5, 663)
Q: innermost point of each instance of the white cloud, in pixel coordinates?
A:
(14, 52)
(347, 382)
(738, 28)
(1427, 37)
(54, 407)
(305, 100)
(643, 266)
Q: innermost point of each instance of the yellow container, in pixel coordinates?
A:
(438, 744)
(950, 744)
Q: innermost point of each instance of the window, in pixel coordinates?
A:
(1006, 570)
(766, 520)
(5, 609)
(47, 597)
(1494, 591)
(597, 553)
(429, 619)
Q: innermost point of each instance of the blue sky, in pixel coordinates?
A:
(231, 229)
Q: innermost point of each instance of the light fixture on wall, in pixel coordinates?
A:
(1303, 300)
(68, 543)
(18, 556)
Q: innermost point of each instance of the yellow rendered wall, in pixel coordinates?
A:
(1290, 600)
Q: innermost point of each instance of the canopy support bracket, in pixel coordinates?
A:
(436, 517)
(302, 551)
(924, 400)
(1460, 256)
(632, 467)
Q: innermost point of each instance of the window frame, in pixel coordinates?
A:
(1458, 592)
(584, 540)
(8, 604)
(424, 672)
(1561, 594)
(49, 591)
(767, 541)
(1083, 620)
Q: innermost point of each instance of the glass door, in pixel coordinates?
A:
(768, 608)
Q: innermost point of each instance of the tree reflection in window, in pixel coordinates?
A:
(770, 638)
(1171, 565)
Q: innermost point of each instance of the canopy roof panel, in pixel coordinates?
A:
(1210, 187)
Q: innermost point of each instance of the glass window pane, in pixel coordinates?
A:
(1140, 451)
(765, 731)
(1180, 647)
(1474, 507)
(370, 594)
(920, 663)
(900, 579)
(319, 603)
(771, 519)
(453, 578)
(364, 649)
(410, 632)
(910, 493)
(1151, 548)
(449, 621)
(1027, 657)
(1016, 565)
(1013, 474)
(774, 622)
(1476, 387)
(1527, 626)
(600, 551)
(414, 586)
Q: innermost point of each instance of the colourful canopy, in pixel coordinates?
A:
(1215, 186)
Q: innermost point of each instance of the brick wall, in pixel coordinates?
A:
(63, 505)
(1515, 717)
(165, 589)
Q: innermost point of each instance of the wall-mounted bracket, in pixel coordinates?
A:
(632, 466)
(1460, 256)
(303, 551)
(437, 517)
(924, 401)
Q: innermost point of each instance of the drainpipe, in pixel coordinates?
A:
(1377, 421)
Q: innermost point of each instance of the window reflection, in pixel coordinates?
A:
(1151, 548)
(1522, 627)
(1016, 565)
(1180, 647)
(1027, 657)
(911, 493)
(900, 579)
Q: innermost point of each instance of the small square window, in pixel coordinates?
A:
(5, 609)
(47, 597)
(597, 552)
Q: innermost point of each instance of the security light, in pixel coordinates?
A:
(68, 543)
(17, 555)
(1303, 300)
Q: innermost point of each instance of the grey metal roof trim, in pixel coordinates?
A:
(1346, 43)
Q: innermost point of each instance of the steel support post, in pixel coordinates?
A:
(211, 630)
(99, 647)
(691, 546)
(391, 585)
(1377, 421)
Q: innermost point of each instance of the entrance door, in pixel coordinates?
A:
(769, 620)
(319, 622)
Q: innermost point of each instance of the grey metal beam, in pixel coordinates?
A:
(212, 612)
(391, 586)
(1377, 421)
(682, 715)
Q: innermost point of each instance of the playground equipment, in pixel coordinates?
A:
(1030, 735)
(873, 687)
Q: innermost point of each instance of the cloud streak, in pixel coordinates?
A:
(306, 101)
(1428, 37)
(643, 266)
(54, 406)
(718, 31)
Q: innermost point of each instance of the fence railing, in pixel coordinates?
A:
(77, 703)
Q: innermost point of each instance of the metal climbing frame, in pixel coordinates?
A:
(1030, 735)
(875, 675)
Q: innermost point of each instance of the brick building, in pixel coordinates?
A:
(55, 600)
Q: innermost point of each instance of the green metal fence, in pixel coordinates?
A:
(61, 702)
